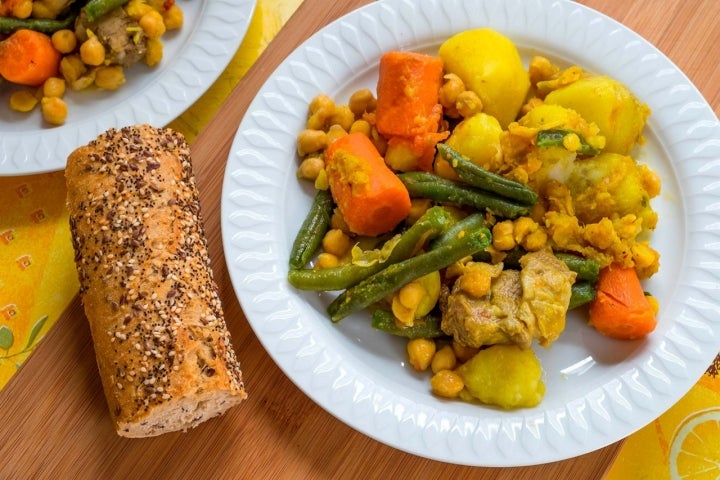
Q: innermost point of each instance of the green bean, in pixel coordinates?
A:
(43, 25)
(554, 138)
(582, 293)
(386, 281)
(312, 230)
(94, 9)
(434, 221)
(471, 223)
(426, 327)
(428, 185)
(586, 268)
(485, 180)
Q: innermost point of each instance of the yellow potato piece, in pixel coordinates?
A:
(503, 375)
(478, 138)
(610, 105)
(490, 65)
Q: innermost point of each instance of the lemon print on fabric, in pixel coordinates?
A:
(695, 447)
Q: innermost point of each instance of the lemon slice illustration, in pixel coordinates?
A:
(695, 446)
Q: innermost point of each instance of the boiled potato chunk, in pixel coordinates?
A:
(478, 138)
(504, 375)
(489, 64)
(610, 185)
(610, 105)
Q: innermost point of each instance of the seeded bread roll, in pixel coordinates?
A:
(161, 343)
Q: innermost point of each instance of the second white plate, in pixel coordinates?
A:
(193, 58)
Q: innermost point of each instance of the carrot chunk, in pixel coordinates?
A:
(620, 309)
(371, 198)
(408, 110)
(28, 57)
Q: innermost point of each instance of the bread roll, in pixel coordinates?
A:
(161, 343)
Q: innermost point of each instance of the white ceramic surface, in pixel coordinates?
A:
(598, 390)
(193, 58)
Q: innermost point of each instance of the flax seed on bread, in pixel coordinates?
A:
(161, 342)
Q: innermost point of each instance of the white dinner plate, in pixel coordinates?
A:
(193, 58)
(598, 390)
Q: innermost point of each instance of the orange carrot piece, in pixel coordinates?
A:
(621, 310)
(28, 58)
(407, 94)
(370, 196)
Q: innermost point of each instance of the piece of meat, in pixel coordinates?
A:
(521, 306)
(546, 286)
(123, 38)
(487, 320)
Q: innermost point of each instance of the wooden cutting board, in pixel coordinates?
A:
(55, 422)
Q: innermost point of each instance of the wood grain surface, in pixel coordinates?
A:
(54, 416)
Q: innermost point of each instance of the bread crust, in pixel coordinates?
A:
(162, 346)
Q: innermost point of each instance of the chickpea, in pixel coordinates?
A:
(54, 110)
(404, 316)
(411, 294)
(154, 52)
(503, 235)
(22, 9)
(23, 101)
(420, 352)
(321, 102)
(92, 52)
(72, 68)
(327, 260)
(54, 87)
(64, 40)
(334, 132)
(571, 142)
(524, 226)
(110, 77)
(40, 10)
(444, 359)
(84, 82)
(342, 116)
(450, 89)
(379, 141)
(362, 101)
(311, 141)
(475, 283)
(173, 17)
(447, 384)
(152, 24)
(541, 68)
(468, 104)
(310, 167)
(136, 9)
(361, 126)
(338, 221)
(336, 242)
(535, 241)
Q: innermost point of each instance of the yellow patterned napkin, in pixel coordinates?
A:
(683, 443)
(37, 271)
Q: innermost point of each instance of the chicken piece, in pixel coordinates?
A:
(521, 306)
(123, 38)
(487, 320)
(546, 286)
